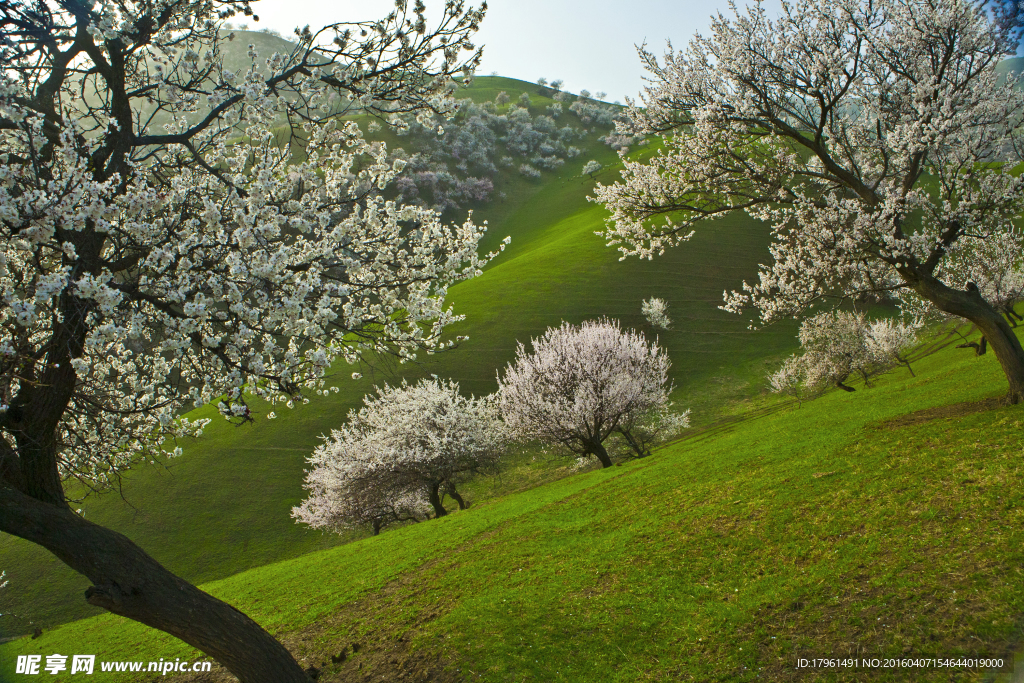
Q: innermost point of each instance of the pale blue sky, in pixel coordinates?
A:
(587, 44)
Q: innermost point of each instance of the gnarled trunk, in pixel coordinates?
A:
(434, 494)
(598, 449)
(844, 387)
(638, 448)
(450, 490)
(130, 583)
(996, 332)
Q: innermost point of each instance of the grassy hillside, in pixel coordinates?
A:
(887, 522)
(224, 506)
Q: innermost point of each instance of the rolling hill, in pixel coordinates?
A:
(880, 524)
(223, 507)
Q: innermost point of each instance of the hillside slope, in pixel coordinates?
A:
(887, 522)
(224, 506)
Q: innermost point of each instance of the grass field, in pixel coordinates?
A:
(224, 506)
(887, 522)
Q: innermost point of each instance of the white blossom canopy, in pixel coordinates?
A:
(172, 231)
(872, 137)
(581, 383)
(402, 445)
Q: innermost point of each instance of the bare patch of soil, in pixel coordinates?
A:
(359, 643)
(940, 413)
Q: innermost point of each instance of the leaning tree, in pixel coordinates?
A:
(872, 136)
(176, 233)
(399, 455)
(581, 384)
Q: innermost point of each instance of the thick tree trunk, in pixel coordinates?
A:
(434, 494)
(839, 383)
(996, 331)
(597, 448)
(128, 582)
(450, 490)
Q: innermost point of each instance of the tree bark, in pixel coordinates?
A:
(130, 583)
(597, 448)
(979, 346)
(995, 330)
(434, 493)
(839, 383)
(450, 490)
(640, 451)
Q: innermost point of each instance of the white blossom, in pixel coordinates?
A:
(655, 310)
(580, 384)
(399, 455)
(169, 251)
(876, 145)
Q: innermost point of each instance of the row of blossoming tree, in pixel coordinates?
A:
(408, 447)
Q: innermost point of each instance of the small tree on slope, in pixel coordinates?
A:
(870, 136)
(580, 384)
(837, 344)
(146, 268)
(399, 455)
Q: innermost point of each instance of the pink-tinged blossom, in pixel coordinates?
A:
(582, 383)
(399, 455)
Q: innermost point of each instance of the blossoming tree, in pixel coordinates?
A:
(581, 384)
(873, 137)
(399, 455)
(161, 246)
(655, 311)
(837, 344)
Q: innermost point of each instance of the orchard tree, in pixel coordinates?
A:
(889, 341)
(162, 248)
(874, 137)
(407, 448)
(835, 347)
(837, 344)
(581, 384)
(591, 167)
(655, 311)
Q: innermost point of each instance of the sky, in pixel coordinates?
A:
(589, 44)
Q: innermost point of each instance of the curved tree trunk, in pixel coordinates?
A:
(638, 448)
(434, 494)
(995, 330)
(130, 583)
(598, 449)
(450, 490)
(844, 387)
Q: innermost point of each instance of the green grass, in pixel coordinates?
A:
(828, 529)
(223, 507)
